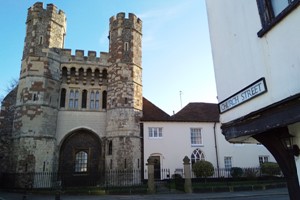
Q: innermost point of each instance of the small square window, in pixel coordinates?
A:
(155, 132)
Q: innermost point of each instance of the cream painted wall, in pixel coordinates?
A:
(69, 121)
(176, 144)
(241, 57)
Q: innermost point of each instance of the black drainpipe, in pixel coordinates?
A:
(216, 147)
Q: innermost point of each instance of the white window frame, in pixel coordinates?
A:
(262, 159)
(155, 132)
(197, 155)
(195, 135)
(228, 162)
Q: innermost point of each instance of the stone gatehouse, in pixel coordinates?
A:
(74, 113)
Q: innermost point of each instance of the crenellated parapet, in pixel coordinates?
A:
(120, 20)
(38, 10)
(91, 57)
(84, 69)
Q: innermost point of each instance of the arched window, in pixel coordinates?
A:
(104, 99)
(84, 99)
(126, 46)
(81, 161)
(73, 75)
(89, 76)
(104, 74)
(80, 75)
(41, 40)
(64, 75)
(197, 155)
(97, 75)
(63, 98)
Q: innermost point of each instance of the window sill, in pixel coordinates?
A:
(278, 18)
(197, 145)
(155, 138)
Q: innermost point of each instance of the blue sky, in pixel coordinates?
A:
(176, 46)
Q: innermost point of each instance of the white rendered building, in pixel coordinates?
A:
(255, 47)
(194, 132)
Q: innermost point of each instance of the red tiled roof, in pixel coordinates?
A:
(193, 112)
(152, 113)
(198, 112)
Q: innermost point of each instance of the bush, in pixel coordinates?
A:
(251, 172)
(176, 176)
(203, 169)
(236, 172)
(270, 169)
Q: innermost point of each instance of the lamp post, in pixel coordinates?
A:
(290, 146)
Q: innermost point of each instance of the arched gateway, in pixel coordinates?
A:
(81, 161)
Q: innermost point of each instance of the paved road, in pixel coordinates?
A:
(274, 194)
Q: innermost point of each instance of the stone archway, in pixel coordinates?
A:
(81, 160)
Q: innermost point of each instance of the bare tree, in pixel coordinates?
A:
(10, 87)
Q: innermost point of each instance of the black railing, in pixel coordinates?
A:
(111, 178)
(56, 180)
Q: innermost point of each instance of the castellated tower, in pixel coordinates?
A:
(45, 29)
(124, 96)
(38, 92)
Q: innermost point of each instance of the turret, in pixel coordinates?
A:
(36, 110)
(124, 96)
(125, 48)
(45, 28)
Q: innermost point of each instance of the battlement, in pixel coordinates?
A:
(51, 8)
(79, 56)
(131, 22)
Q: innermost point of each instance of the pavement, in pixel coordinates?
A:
(262, 194)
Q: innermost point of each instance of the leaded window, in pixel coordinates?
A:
(94, 100)
(73, 99)
(197, 155)
(81, 161)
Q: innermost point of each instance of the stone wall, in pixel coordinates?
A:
(6, 126)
